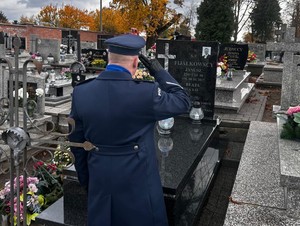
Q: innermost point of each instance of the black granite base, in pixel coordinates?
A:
(186, 169)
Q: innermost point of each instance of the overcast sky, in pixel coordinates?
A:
(14, 9)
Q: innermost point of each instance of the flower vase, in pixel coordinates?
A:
(229, 74)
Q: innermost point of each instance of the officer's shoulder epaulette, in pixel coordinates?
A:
(140, 81)
(85, 81)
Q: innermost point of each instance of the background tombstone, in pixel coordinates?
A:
(101, 39)
(183, 59)
(237, 54)
(256, 67)
(46, 46)
(33, 43)
(259, 49)
(2, 49)
(290, 80)
(280, 32)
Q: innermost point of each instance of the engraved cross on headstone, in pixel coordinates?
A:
(289, 78)
(166, 56)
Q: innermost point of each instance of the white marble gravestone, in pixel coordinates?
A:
(34, 79)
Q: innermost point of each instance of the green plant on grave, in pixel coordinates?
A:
(291, 127)
(99, 63)
(66, 72)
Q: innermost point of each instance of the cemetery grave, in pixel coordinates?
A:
(190, 157)
(266, 190)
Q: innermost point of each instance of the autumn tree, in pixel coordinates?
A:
(215, 21)
(3, 18)
(48, 16)
(151, 16)
(24, 19)
(114, 21)
(190, 15)
(241, 10)
(73, 17)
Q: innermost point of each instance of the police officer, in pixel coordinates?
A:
(117, 115)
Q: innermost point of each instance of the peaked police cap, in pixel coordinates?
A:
(127, 44)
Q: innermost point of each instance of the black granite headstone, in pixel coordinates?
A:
(192, 68)
(1, 37)
(101, 39)
(23, 42)
(100, 54)
(237, 54)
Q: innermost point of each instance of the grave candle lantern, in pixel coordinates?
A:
(164, 126)
(38, 57)
(165, 145)
(196, 113)
(50, 58)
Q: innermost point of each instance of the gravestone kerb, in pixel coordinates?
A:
(289, 78)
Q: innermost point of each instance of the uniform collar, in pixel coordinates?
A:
(114, 67)
(115, 75)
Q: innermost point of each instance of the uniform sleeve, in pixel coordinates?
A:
(81, 164)
(170, 99)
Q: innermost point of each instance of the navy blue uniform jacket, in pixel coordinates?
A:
(118, 115)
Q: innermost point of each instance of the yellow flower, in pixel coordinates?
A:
(142, 74)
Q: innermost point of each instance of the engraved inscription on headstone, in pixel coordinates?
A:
(196, 72)
(237, 54)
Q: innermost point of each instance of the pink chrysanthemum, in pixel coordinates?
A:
(293, 110)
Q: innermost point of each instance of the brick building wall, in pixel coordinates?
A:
(43, 32)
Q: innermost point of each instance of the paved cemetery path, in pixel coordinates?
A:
(214, 211)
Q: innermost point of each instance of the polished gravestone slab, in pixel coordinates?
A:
(192, 68)
(188, 159)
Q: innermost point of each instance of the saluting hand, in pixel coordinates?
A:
(152, 65)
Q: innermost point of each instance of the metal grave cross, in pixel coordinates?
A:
(166, 56)
(290, 80)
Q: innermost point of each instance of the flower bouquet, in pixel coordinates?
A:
(43, 188)
(291, 127)
(66, 73)
(142, 74)
(251, 56)
(222, 66)
(35, 200)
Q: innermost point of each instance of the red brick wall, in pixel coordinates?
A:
(88, 36)
(42, 32)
